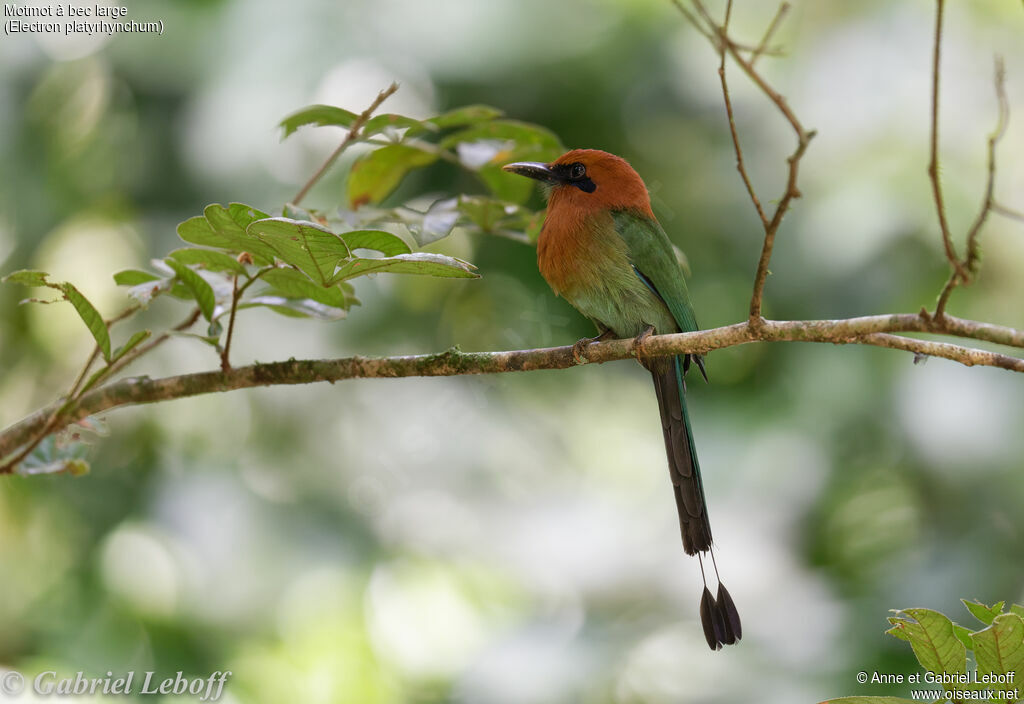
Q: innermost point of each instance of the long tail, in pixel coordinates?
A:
(682, 457)
(719, 616)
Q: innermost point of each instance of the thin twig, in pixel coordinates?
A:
(126, 313)
(225, 363)
(353, 134)
(988, 203)
(1003, 119)
(771, 225)
(1007, 212)
(933, 164)
(732, 121)
(762, 47)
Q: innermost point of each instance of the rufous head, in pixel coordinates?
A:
(588, 179)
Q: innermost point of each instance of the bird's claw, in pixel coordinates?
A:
(579, 347)
(639, 341)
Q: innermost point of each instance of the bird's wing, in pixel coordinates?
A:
(651, 253)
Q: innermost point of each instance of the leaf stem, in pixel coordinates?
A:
(353, 134)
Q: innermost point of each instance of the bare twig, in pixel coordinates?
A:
(725, 44)
(876, 330)
(988, 203)
(1003, 119)
(740, 166)
(353, 134)
(933, 164)
(762, 47)
(1007, 212)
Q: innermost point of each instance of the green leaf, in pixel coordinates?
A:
(89, 315)
(211, 341)
(375, 175)
(931, 636)
(983, 613)
(963, 635)
(488, 146)
(290, 283)
(999, 650)
(197, 285)
(133, 342)
(134, 277)
(1017, 609)
(26, 277)
(322, 115)
(468, 115)
(377, 240)
(380, 123)
(296, 307)
(225, 228)
(415, 263)
(312, 248)
(208, 259)
(523, 135)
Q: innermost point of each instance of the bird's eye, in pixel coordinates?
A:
(578, 171)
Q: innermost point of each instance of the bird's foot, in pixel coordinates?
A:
(579, 348)
(639, 341)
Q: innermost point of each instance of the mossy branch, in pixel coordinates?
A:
(877, 330)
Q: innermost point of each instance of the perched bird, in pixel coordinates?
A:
(602, 249)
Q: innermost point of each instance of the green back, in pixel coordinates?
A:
(651, 252)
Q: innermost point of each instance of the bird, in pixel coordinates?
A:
(602, 249)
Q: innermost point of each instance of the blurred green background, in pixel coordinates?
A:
(512, 539)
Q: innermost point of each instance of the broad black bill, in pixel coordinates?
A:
(711, 620)
(730, 616)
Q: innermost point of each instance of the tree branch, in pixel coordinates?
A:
(877, 330)
(724, 44)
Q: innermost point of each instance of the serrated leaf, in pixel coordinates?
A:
(416, 263)
(999, 650)
(89, 315)
(385, 121)
(312, 248)
(931, 636)
(296, 307)
(197, 285)
(322, 115)
(132, 342)
(134, 277)
(897, 630)
(467, 115)
(377, 240)
(376, 174)
(26, 277)
(208, 259)
(294, 284)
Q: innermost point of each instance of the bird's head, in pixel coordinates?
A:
(588, 179)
